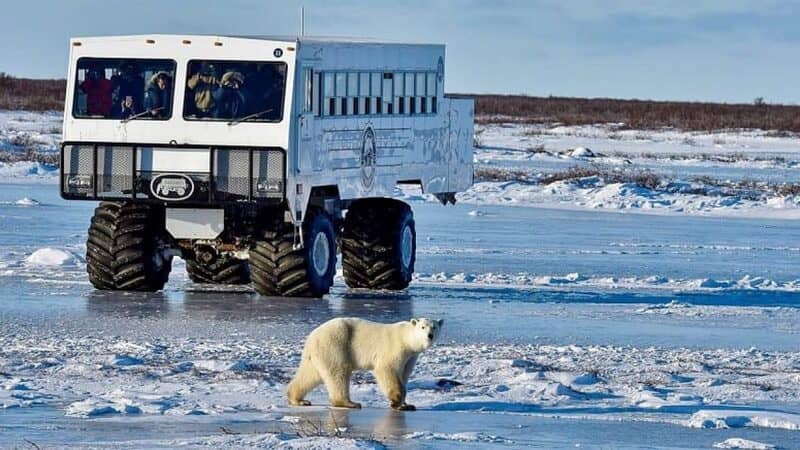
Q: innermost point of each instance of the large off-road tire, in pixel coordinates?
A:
(218, 269)
(278, 269)
(379, 244)
(125, 249)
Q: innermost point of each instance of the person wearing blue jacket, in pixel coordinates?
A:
(229, 98)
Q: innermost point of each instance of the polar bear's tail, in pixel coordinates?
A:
(306, 379)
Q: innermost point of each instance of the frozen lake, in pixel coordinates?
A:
(563, 328)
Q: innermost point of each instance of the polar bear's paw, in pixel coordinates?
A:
(404, 407)
(346, 404)
(300, 403)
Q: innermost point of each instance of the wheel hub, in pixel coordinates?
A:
(406, 246)
(320, 253)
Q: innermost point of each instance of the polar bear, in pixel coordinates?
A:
(339, 346)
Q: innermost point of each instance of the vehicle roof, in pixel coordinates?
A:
(273, 38)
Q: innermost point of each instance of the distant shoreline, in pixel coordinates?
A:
(48, 95)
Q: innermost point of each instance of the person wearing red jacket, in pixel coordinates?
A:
(98, 93)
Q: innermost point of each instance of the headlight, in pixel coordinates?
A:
(80, 181)
(266, 185)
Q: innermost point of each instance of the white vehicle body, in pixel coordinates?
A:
(332, 148)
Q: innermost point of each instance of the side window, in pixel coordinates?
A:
(315, 88)
(409, 93)
(431, 92)
(363, 93)
(329, 99)
(399, 91)
(308, 90)
(352, 93)
(420, 94)
(387, 94)
(375, 93)
(341, 94)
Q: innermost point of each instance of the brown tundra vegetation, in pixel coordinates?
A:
(43, 95)
(637, 114)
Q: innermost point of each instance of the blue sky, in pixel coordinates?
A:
(719, 50)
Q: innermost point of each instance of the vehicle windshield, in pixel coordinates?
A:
(237, 91)
(123, 88)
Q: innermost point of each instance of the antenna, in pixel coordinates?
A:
(302, 21)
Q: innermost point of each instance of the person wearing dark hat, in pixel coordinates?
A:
(128, 82)
(229, 98)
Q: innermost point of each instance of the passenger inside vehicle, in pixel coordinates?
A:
(98, 92)
(126, 108)
(128, 82)
(158, 95)
(202, 85)
(229, 98)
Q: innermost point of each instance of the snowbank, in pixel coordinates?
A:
(25, 201)
(744, 444)
(51, 257)
(746, 283)
(743, 418)
(28, 171)
(21, 131)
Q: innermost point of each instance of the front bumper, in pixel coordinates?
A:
(107, 171)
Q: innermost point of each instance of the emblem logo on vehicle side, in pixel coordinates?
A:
(172, 187)
(369, 158)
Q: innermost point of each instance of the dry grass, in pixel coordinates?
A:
(31, 155)
(789, 189)
(497, 174)
(637, 114)
(641, 178)
(44, 95)
(31, 95)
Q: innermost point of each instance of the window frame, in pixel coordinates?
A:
(236, 61)
(137, 60)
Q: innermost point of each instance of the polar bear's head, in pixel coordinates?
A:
(425, 332)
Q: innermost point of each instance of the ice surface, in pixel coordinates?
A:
(263, 440)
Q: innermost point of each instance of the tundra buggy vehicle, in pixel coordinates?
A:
(257, 158)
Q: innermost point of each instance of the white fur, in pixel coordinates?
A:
(340, 346)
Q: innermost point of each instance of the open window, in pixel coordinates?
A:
(123, 88)
(235, 90)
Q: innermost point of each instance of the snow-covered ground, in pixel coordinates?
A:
(685, 162)
(564, 327)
